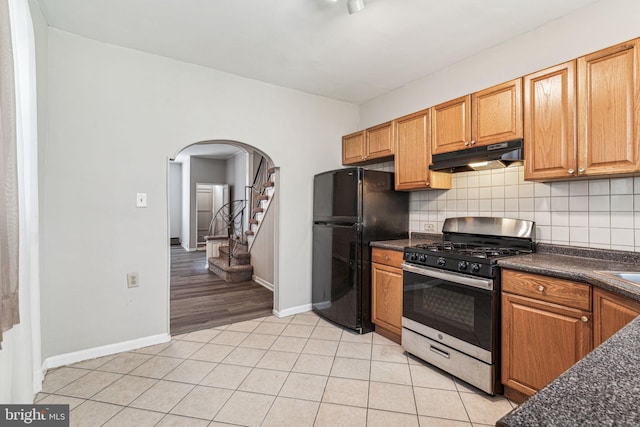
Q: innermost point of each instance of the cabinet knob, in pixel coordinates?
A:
(571, 171)
(473, 143)
(427, 183)
(585, 319)
(386, 257)
(581, 171)
(541, 288)
(466, 143)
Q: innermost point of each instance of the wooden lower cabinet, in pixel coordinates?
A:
(610, 314)
(540, 339)
(386, 282)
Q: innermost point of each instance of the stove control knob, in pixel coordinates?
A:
(441, 261)
(422, 258)
(462, 265)
(475, 267)
(414, 257)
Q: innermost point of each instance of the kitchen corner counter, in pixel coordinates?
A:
(583, 265)
(400, 244)
(601, 389)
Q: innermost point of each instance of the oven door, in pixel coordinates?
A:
(456, 310)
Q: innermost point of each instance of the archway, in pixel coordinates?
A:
(238, 166)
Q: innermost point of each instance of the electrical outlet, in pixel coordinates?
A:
(429, 226)
(133, 280)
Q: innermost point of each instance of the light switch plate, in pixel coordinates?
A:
(141, 200)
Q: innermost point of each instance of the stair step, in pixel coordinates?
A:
(261, 198)
(241, 257)
(254, 221)
(249, 232)
(271, 170)
(233, 273)
(269, 184)
(258, 210)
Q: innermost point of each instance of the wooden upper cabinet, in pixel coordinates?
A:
(413, 154)
(368, 145)
(486, 117)
(353, 148)
(451, 125)
(379, 141)
(609, 110)
(550, 123)
(610, 314)
(497, 114)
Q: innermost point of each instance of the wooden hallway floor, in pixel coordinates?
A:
(200, 299)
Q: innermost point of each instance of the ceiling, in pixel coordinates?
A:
(208, 151)
(310, 45)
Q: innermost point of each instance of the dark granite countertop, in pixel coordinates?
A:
(415, 239)
(584, 265)
(603, 389)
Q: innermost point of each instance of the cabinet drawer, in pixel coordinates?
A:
(386, 257)
(558, 291)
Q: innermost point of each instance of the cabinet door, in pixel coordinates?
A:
(451, 125)
(353, 148)
(379, 141)
(497, 114)
(413, 154)
(387, 297)
(609, 110)
(550, 123)
(540, 341)
(610, 314)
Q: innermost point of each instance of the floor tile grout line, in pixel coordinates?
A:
(299, 353)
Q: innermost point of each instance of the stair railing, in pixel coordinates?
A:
(256, 189)
(231, 215)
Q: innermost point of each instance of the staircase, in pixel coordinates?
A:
(233, 264)
(229, 256)
(261, 194)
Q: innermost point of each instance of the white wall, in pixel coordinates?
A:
(237, 175)
(600, 25)
(202, 171)
(115, 117)
(175, 200)
(185, 226)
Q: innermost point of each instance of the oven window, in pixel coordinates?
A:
(447, 304)
(464, 312)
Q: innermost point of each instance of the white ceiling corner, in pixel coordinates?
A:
(313, 46)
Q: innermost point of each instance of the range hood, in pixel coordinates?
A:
(492, 156)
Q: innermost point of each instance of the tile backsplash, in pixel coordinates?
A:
(596, 213)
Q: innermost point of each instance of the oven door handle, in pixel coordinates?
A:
(450, 277)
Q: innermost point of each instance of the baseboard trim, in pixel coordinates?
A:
(105, 350)
(262, 282)
(293, 310)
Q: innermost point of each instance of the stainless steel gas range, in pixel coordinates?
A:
(451, 296)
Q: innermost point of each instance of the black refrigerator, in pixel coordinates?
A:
(351, 208)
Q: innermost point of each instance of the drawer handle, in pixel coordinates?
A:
(541, 288)
(439, 352)
(585, 319)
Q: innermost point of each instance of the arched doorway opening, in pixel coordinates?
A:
(207, 181)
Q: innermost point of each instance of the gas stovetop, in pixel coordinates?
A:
(473, 245)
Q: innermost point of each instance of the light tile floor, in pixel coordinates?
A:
(295, 371)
